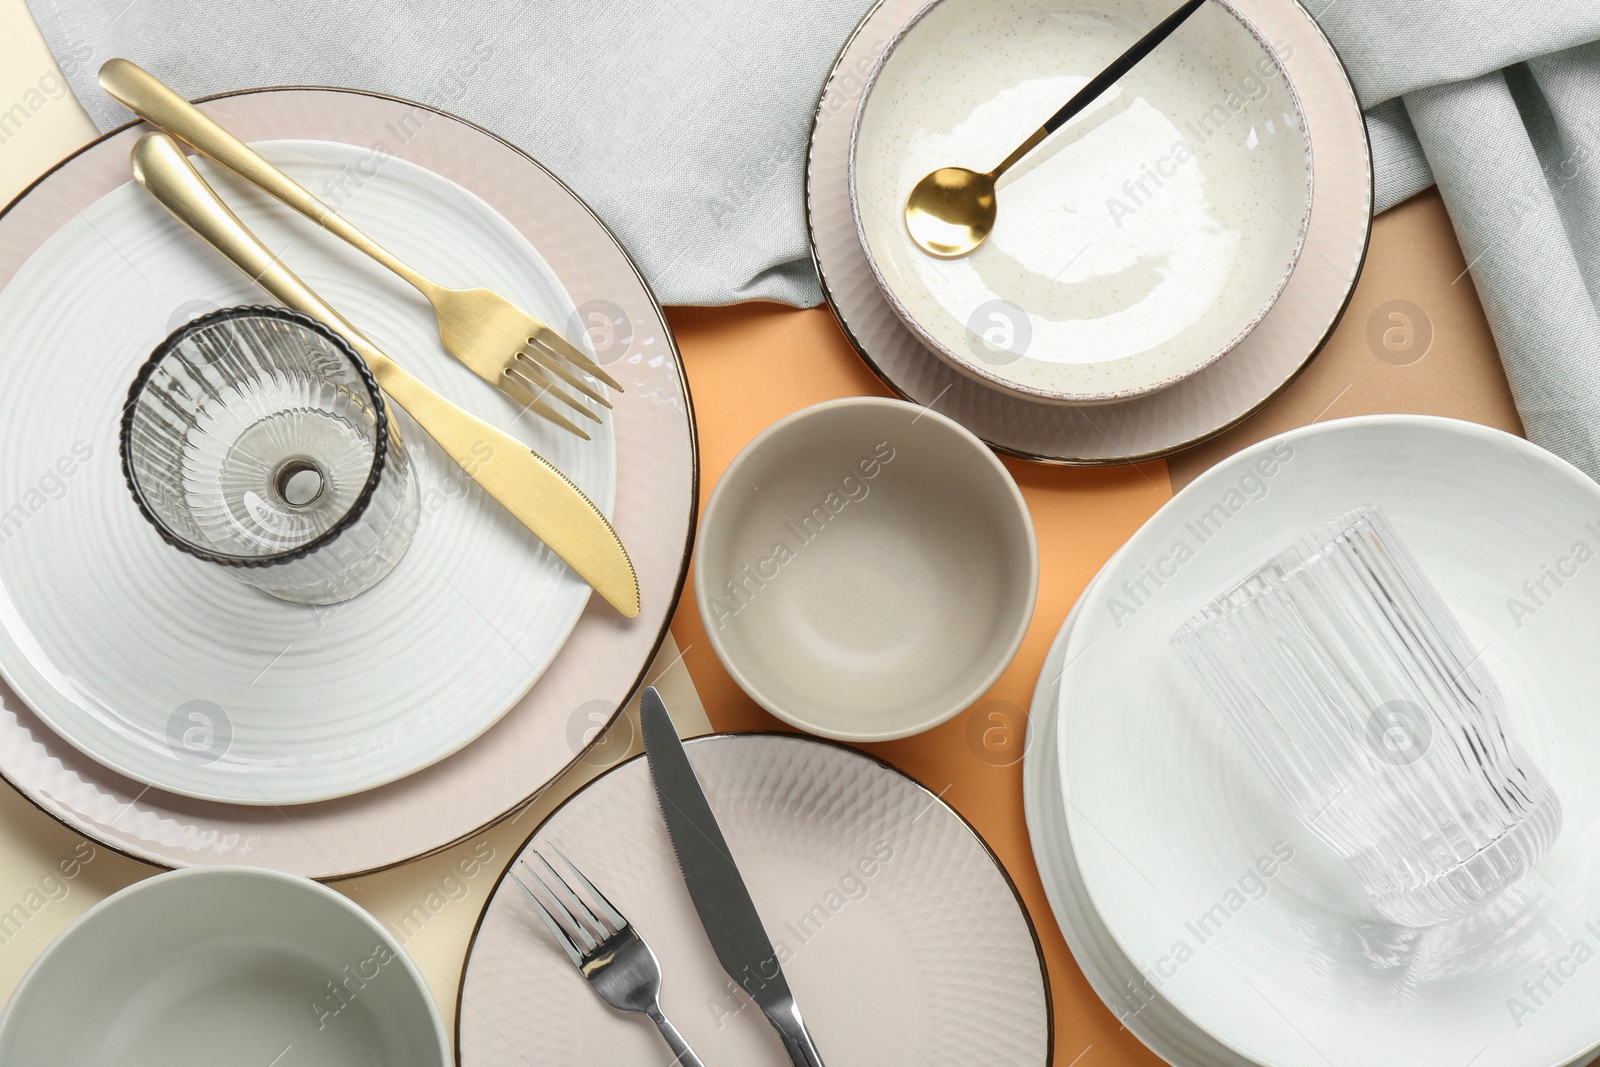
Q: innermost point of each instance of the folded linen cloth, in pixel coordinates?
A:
(684, 124)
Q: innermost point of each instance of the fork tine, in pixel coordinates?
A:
(519, 391)
(547, 386)
(556, 931)
(539, 382)
(547, 358)
(600, 929)
(576, 930)
(607, 909)
(567, 350)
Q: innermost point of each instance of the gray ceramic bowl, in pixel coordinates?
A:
(223, 965)
(866, 569)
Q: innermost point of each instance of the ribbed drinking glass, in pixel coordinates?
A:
(1356, 689)
(256, 439)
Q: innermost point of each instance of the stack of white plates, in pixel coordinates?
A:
(160, 706)
(1210, 921)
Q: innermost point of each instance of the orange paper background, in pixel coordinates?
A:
(751, 364)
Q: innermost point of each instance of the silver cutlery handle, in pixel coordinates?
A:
(796, 1039)
(680, 1048)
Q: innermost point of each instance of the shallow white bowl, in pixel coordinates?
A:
(223, 965)
(866, 569)
(1139, 244)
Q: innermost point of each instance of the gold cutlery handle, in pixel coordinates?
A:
(541, 497)
(148, 97)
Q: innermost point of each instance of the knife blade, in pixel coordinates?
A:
(720, 897)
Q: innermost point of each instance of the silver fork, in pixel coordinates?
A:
(617, 963)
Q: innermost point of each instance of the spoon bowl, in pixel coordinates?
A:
(951, 211)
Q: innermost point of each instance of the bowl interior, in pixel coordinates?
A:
(1138, 244)
(222, 966)
(866, 569)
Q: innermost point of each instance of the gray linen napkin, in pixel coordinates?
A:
(684, 122)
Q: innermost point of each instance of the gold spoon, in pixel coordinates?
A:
(951, 211)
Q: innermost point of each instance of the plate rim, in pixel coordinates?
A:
(1069, 461)
(1043, 709)
(690, 530)
(790, 735)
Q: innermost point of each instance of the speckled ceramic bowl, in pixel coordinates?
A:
(1139, 244)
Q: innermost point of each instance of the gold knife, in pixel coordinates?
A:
(541, 497)
(502, 344)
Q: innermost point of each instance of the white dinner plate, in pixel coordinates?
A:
(1127, 992)
(902, 938)
(1224, 905)
(172, 672)
(1138, 244)
(603, 661)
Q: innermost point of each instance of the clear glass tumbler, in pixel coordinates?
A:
(256, 439)
(1354, 686)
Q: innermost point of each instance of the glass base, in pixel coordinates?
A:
(357, 561)
(1467, 885)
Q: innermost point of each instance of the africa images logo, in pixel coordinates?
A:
(852, 488)
(1137, 591)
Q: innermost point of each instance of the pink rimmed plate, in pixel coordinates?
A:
(605, 656)
(1191, 411)
(900, 934)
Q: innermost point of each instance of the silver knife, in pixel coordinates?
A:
(715, 885)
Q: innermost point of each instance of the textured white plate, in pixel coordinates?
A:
(1194, 409)
(1138, 244)
(1170, 821)
(171, 671)
(902, 939)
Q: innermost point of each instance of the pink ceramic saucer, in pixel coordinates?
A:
(605, 656)
(901, 936)
(1193, 410)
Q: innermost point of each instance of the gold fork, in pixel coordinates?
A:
(536, 493)
(502, 344)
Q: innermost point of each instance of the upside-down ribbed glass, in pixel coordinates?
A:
(1356, 689)
(256, 439)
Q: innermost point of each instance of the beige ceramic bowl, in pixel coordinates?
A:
(866, 569)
